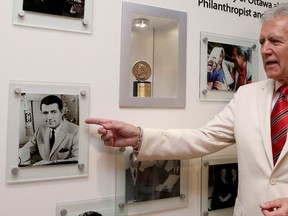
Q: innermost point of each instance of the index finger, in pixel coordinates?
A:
(98, 121)
(106, 123)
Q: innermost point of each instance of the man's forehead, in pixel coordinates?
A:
(279, 22)
(53, 106)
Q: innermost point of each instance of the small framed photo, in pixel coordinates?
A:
(67, 15)
(219, 185)
(47, 137)
(93, 207)
(158, 184)
(226, 64)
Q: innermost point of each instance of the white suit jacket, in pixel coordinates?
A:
(244, 121)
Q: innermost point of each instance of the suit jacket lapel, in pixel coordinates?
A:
(46, 147)
(264, 107)
(283, 153)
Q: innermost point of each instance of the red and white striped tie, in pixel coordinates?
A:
(279, 122)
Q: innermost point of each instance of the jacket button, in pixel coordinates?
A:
(273, 181)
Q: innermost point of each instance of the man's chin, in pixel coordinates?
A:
(272, 74)
(51, 126)
(277, 77)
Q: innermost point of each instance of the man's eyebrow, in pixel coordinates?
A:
(261, 39)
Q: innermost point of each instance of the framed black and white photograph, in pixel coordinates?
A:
(92, 207)
(46, 135)
(219, 185)
(226, 64)
(159, 184)
(69, 15)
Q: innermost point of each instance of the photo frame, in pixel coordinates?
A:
(150, 192)
(102, 206)
(226, 63)
(219, 185)
(34, 109)
(58, 17)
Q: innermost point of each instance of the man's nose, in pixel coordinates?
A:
(49, 116)
(266, 48)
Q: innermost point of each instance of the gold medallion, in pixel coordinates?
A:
(141, 70)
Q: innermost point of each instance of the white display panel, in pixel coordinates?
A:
(67, 163)
(208, 50)
(30, 18)
(213, 169)
(148, 200)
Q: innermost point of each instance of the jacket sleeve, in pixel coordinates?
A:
(190, 143)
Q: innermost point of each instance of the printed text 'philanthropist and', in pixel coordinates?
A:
(225, 7)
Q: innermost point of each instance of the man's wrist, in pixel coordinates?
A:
(136, 148)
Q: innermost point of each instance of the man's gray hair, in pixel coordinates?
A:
(279, 10)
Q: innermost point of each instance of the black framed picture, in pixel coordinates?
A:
(90, 207)
(222, 184)
(219, 184)
(66, 15)
(160, 184)
(70, 8)
(48, 129)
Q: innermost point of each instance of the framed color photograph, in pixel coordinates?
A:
(68, 15)
(150, 186)
(219, 185)
(226, 64)
(46, 135)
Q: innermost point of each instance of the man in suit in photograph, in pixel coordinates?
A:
(247, 121)
(54, 142)
(152, 179)
(133, 176)
(173, 190)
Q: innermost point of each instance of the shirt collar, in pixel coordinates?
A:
(277, 86)
(58, 128)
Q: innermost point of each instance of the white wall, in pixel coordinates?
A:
(34, 54)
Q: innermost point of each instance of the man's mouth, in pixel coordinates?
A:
(271, 62)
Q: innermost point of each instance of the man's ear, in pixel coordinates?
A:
(62, 112)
